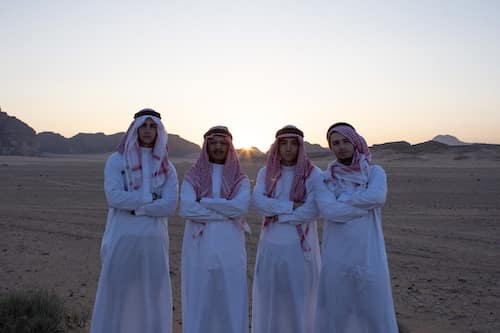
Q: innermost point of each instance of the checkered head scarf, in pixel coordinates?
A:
(358, 169)
(130, 149)
(199, 176)
(303, 170)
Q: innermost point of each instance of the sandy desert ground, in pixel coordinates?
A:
(441, 224)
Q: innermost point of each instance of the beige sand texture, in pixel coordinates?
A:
(441, 225)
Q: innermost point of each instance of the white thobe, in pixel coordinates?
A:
(214, 262)
(134, 290)
(286, 277)
(355, 291)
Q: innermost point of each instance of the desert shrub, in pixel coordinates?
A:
(30, 311)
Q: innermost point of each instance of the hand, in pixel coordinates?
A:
(297, 204)
(273, 218)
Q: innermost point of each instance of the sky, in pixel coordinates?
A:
(396, 70)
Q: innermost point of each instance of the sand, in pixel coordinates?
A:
(441, 225)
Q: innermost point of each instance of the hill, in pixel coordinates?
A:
(449, 140)
(18, 138)
(404, 150)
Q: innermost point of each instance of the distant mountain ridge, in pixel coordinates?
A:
(403, 149)
(18, 138)
(449, 140)
(86, 143)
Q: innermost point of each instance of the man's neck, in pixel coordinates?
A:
(346, 161)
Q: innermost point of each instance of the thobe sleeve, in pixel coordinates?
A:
(265, 205)
(308, 211)
(373, 196)
(114, 187)
(330, 208)
(166, 205)
(231, 208)
(192, 210)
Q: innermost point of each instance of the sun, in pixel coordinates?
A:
(248, 143)
(246, 136)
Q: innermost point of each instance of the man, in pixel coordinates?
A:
(355, 291)
(134, 292)
(215, 196)
(288, 259)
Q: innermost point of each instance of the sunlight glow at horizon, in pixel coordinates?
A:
(395, 70)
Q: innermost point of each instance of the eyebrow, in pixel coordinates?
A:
(212, 140)
(291, 139)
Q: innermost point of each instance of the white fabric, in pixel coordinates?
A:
(214, 264)
(134, 291)
(355, 291)
(131, 155)
(286, 278)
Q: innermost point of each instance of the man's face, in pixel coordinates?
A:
(289, 151)
(342, 148)
(217, 148)
(147, 133)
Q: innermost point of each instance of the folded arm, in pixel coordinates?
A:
(333, 210)
(373, 196)
(191, 209)
(230, 208)
(166, 204)
(265, 205)
(305, 213)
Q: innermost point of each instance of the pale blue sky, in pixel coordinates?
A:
(397, 70)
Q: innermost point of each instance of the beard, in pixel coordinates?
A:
(345, 161)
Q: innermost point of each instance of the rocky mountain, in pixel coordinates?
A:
(16, 137)
(82, 143)
(178, 146)
(428, 148)
(449, 140)
(315, 150)
(85, 143)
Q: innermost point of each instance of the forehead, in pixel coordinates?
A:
(148, 121)
(290, 139)
(216, 139)
(335, 136)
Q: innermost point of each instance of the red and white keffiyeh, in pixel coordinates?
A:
(303, 169)
(130, 149)
(358, 171)
(200, 174)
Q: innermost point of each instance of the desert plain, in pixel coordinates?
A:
(441, 224)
